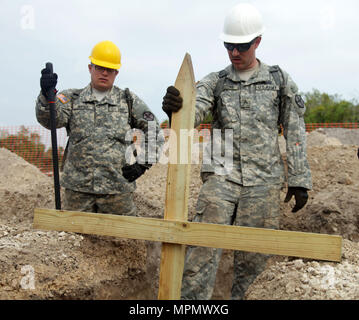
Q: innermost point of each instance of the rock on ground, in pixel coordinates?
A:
(298, 279)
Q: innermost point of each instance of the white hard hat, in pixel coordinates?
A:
(242, 24)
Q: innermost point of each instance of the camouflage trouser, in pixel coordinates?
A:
(224, 202)
(121, 204)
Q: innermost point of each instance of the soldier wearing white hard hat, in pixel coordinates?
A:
(251, 99)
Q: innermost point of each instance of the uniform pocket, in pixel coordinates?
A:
(118, 120)
(267, 108)
(228, 112)
(82, 122)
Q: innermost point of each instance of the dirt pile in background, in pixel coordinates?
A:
(22, 187)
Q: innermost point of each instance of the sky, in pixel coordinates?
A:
(315, 41)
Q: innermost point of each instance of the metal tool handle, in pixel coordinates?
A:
(51, 96)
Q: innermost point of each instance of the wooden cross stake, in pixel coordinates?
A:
(174, 231)
(178, 180)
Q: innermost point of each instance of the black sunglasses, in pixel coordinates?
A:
(241, 47)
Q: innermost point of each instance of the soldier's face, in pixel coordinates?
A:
(102, 79)
(244, 60)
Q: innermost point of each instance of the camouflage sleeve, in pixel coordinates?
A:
(205, 97)
(144, 120)
(63, 109)
(293, 110)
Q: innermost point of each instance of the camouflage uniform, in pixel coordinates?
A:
(97, 146)
(249, 194)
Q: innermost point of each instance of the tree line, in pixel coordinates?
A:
(326, 108)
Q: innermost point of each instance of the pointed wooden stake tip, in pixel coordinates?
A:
(186, 71)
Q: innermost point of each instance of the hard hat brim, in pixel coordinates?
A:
(240, 39)
(105, 64)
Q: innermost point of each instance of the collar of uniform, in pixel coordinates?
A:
(87, 96)
(260, 75)
(111, 97)
(232, 74)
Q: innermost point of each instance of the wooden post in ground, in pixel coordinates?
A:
(178, 179)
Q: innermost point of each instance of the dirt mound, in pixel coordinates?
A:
(18, 175)
(68, 265)
(332, 136)
(63, 265)
(319, 138)
(333, 204)
(345, 136)
(60, 265)
(73, 266)
(332, 209)
(309, 280)
(22, 187)
(328, 137)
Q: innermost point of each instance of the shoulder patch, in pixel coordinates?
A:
(63, 98)
(299, 101)
(148, 116)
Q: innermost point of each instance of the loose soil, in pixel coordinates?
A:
(76, 266)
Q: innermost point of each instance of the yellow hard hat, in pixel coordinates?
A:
(106, 54)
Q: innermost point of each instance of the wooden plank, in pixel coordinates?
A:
(178, 178)
(178, 175)
(277, 242)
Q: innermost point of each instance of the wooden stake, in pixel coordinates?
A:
(178, 179)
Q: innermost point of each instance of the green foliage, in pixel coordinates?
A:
(325, 108)
(28, 146)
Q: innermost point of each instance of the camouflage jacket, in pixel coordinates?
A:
(251, 109)
(97, 137)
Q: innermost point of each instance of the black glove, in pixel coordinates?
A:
(172, 101)
(301, 197)
(48, 81)
(134, 171)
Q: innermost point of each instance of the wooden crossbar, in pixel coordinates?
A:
(268, 241)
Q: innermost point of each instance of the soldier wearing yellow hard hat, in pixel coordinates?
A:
(106, 54)
(96, 174)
